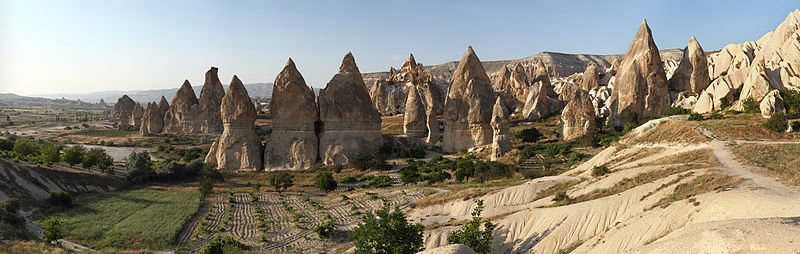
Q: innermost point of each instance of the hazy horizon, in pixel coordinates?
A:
(73, 47)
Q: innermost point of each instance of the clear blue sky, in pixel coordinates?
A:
(83, 46)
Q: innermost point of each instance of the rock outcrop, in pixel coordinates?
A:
(209, 102)
(183, 116)
(501, 140)
(415, 117)
(350, 122)
(389, 94)
(293, 144)
(467, 110)
(578, 116)
(537, 104)
(512, 87)
(124, 106)
(163, 105)
(711, 98)
(591, 79)
(152, 121)
(692, 73)
(641, 84)
(771, 104)
(238, 148)
(136, 116)
(434, 134)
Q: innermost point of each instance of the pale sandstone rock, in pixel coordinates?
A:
(771, 104)
(350, 123)
(692, 73)
(152, 121)
(414, 118)
(501, 140)
(705, 103)
(238, 148)
(293, 144)
(591, 79)
(537, 104)
(163, 106)
(578, 117)
(184, 112)
(641, 85)
(467, 111)
(136, 116)
(209, 102)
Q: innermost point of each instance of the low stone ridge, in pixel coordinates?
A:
(501, 139)
(641, 83)
(293, 144)
(578, 116)
(467, 110)
(209, 102)
(350, 122)
(238, 148)
(692, 73)
(184, 112)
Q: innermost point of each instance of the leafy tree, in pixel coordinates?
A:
(600, 170)
(206, 187)
(471, 235)
(281, 181)
(677, 111)
(529, 135)
(409, 174)
(52, 229)
(139, 167)
(777, 122)
(73, 155)
(50, 153)
(25, 147)
(791, 100)
(724, 103)
(750, 105)
(94, 156)
(387, 232)
(60, 198)
(465, 169)
(7, 144)
(324, 181)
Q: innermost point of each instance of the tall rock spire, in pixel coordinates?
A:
(210, 99)
(467, 110)
(238, 148)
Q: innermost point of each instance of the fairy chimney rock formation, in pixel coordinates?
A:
(152, 121)
(163, 106)
(591, 79)
(350, 122)
(209, 102)
(467, 110)
(238, 148)
(641, 83)
(293, 144)
(136, 116)
(501, 140)
(184, 113)
(578, 116)
(692, 73)
(414, 118)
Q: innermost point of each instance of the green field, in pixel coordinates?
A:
(138, 219)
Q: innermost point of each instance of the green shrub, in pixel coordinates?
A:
(724, 103)
(206, 187)
(26, 147)
(750, 105)
(139, 167)
(73, 155)
(324, 181)
(222, 245)
(677, 111)
(777, 122)
(60, 198)
(695, 117)
(281, 181)
(387, 232)
(409, 174)
(52, 229)
(529, 135)
(96, 156)
(348, 179)
(416, 153)
(190, 154)
(337, 168)
(472, 236)
(600, 171)
(380, 182)
(791, 100)
(7, 144)
(51, 153)
(325, 230)
(561, 196)
(716, 115)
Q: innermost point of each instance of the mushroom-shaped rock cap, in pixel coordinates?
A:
(236, 105)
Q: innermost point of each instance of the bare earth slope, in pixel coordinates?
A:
(662, 194)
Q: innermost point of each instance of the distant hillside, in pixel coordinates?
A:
(10, 99)
(145, 96)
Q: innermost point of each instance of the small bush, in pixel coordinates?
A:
(281, 181)
(716, 115)
(529, 135)
(348, 179)
(222, 245)
(695, 117)
(678, 111)
(791, 99)
(750, 105)
(325, 230)
(724, 103)
(324, 181)
(60, 198)
(206, 187)
(471, 235)
(777, 122)
(139, 167)
(73, 155)
(380, 182)
(600, 171)
(52, 229)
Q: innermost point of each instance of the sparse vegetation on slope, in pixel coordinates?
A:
(779, 160)
(713, 181)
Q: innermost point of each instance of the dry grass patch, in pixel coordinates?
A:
(671, 132)
(629, 183)
(744, 127)
(639, 154)
(460, 195)
(700, 158)
(781, 160)
(392, 125)
(712, 181)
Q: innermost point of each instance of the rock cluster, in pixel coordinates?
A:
(501, 140)
(389, 95)
(578, 117)
(152, 121)
(136, 116)
(692, 73)
(184, 112)
(293, 144)
(350, 122)
(238, 148)
(641, 84)
(541, 99)
(467, 110)
(512, 86)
